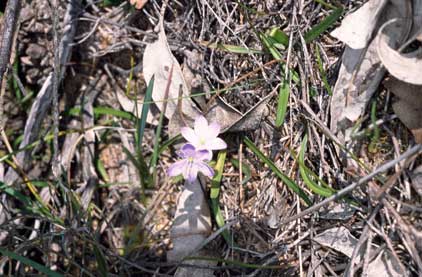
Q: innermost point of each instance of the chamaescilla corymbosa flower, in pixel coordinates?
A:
(192, 161)
(204, 136)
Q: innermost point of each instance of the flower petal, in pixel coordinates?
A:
(187, 151)
(204, 169)
(201, 126)
(189, 135)
(216, 144)
(212, 131)
(203, 155)
(190, 172)
(177, 168)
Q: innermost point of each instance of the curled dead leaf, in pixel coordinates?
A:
(361, 70)
(408, 107)
(405, 67)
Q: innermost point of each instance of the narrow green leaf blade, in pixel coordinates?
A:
(145, 110)
(246, 170)
(279, 36)
(230, 48)
(323, 25)
(283, 101)
(314, 187)
(30, 263)
(289, 182)
(322, 71)
(215, 193)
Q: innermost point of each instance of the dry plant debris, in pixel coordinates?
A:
(319, 103)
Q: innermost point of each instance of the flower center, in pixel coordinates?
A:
(202, 141)
(190, 159)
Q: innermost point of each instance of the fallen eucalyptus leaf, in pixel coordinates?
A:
(408, 107)
(385, 265)
(338, 211)
(157, 61)
(341, 240)
(405, 67)
(361, 72)
(356, 28)
(416, 180)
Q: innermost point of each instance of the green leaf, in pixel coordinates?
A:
(215, 193)
(283, 101)
(269, 44)
(279, 36)
(104, 111)
(289, 182)
(101, 170)
(322, 71)
(167, 143)
(323, 25)
(230, 48)
(101, 261)
(31, 263)
(145, 109)
(304, 173)
(372, 147)
(246, 170)
(112, 2)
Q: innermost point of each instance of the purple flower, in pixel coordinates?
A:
(204, 136)
(192, 161)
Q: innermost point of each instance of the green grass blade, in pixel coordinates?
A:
(322, 71)
(101, 170)
(101, 261)
(246, 170)
(269, 44)
(230, 48)
(304, 173)
(103, 111)
(283, 101)
(30, 263)
(372, 147)
(323, 25)
(215, 193)
(167, 143)
(279, 36)
(144, 114)
(289, 182)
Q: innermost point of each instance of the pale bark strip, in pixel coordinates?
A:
(43, 100)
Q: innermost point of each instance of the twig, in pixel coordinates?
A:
(11, 18)
(412, 151)
(56, 80)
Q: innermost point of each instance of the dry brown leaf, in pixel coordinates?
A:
(139, 4)
(356, 28)
(405, 67)
(385, 265)
(409, 105)
(361, 72)
(341, 240)
(157, 61)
